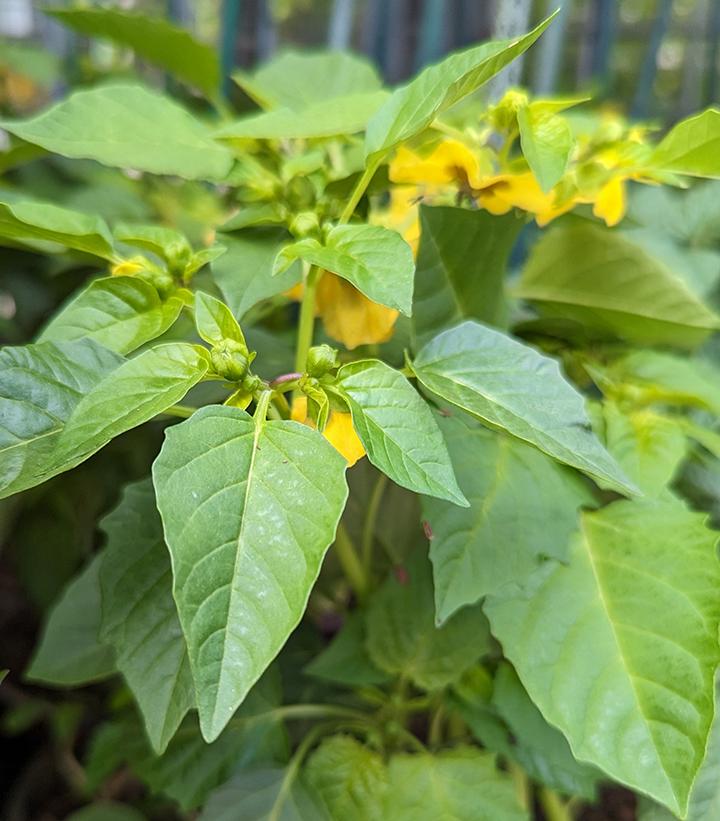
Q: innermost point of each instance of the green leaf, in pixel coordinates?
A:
(376, 260)
(70, 653)
(461, 784)
(261, 795)
(40, 386)
(619, 648)
(325, 118)
(214, 320)
(106, 811)
(539, 748)
(44, 221)
(127, 126)
(398, 429)
(345, 660)
(461, 266)
(511, 386)
(613, 288)
(692, 146)
(139, 617)
(234, 495)
(523, 507)
(296, 80)
(121, 313)
(165, 242)
(414, 106)
(244, 272)
(402, 638)
(152, 38)
(349, 778)
(546, 142)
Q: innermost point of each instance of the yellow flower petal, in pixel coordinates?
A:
(349, 316)
(505, 191)
(610, 203)
(339, 431)
(450, 162)
(126, 268)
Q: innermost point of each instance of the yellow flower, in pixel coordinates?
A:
(127, 268)
(610, 202)
(450, 162)
(502, 192)
(339, 431)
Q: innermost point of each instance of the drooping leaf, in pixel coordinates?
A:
(121, 313)
(349, 778)
(45, 221)
(161, 240)
(214, 320)
(235, 496)
(296, 80)
(692, 146)
(325, 118)
(127, 126)
(546, 141)
(244, 272)
(70, 652)
(376, 260)
(402, 637)
(461, 265)
(398, 429)
(414, 106)
(523, 507)
(462, 784)
(152, 38)
(613, 288)
(511, 386)
(619, 648)
(139, 617)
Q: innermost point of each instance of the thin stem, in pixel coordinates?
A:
(261, 408)
(360, 187)
(436, 726)
(306, 325)
(553, 806)
(181, 411)
(522, 785)
(348, 558)
(368, 535)
(281, 404)
(285, 377)
(292, 769)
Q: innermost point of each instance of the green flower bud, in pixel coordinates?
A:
(321, 359)
(305, 224)
(231, 360)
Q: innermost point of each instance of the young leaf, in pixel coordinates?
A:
(349, 778)
(523, 507)
(121, 313)
(249, 509)
(70, 653)
(692, 146)
(44, 221)
(214, 320)
(619, 648)
(376, 260)
(414, 106)
(127, 126)
(546, 141)
(398, 430)
(139, 617)
(461, 266)
(326, 118)
(164, 242)
(511, 386)
(613, 288)
(152, 38)
(402, 637)
(463, 784)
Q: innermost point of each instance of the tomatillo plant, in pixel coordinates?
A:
(429, 544)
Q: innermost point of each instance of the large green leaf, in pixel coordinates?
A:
(139, 617)
(511, 386)
(70, 652)
(461, 266)
(127, 126)
(296, 80)
(376, 260)
(619, 648)
(546, 141)
(152, 38)
(349, 778)
(413, 107)
(402, 637)
(249, 509)
(462, 784)
(244, 272)
(121, 313)
(45, 221)
(612, 287)
(692, 146)
(523, 506)
(325, 118)
(398, 429)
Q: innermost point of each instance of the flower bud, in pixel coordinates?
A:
(321, 359)
(305, 224)
(231, 360)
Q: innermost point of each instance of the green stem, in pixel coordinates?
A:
(553, 806)
(181, 411)
(522, 785)
(348, 558)
(436, 726)
(261, 408)
(360, 187)
(368, 536)
(306, 325)
(292, 769)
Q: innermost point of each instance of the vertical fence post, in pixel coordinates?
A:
(511, 20)
(229, 21)
(341, 23)
(431, 42)
(604, 39)
(712, 52)
(550, 50)
(643, 103)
